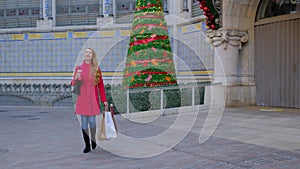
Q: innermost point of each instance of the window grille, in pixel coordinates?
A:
(125, 10)
(11, 12)
(196, 11)
(1, 12)
(23, 11)
(78, 12)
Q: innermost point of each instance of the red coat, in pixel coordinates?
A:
(88, 101)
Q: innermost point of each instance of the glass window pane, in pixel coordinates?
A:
(124, 6)
(62, 9)
(93, 8)
(1, 12)
(35, 11)
(23, 11)
(276, 8)
(11, 12)
(165, 5)
(77, 8)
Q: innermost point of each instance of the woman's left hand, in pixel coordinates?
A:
(105, 104)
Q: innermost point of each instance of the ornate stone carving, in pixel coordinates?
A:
(225, 36)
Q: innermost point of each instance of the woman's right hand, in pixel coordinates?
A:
(78, 75)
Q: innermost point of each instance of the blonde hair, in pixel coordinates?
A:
(95, 71)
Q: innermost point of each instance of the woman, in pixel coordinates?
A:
(88, 74)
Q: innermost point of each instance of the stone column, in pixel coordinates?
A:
(101, 8)
(53, 12)
(175, 7)
(227, 44)
(41, 10)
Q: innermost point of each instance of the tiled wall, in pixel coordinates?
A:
(56, 53)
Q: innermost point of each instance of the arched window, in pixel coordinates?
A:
(272, 8)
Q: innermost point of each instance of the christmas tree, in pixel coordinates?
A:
(149, 61)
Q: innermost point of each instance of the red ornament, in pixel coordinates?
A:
(212, 21)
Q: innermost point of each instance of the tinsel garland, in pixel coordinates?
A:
(158, 44)
(148, 40)
(148, 5)
(153, 84)
(150, 53)
(159, 21)
(149, 16)
(149, 26)
(163, 67)
(152, 61)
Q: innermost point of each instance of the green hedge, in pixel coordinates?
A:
(146, 100)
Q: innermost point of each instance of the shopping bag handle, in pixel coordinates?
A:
(105, 110)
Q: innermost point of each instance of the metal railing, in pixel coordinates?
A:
(35, 95)
(196, 90)
(54, 95)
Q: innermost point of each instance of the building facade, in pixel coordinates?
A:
(51, 45)
(257, 46)
(255, 53)
(45, 52)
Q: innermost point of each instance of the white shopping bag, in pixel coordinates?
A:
(108, 127)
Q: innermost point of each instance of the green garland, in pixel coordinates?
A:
(158, 44)
(159, 54)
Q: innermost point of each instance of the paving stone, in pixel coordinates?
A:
(41, 137)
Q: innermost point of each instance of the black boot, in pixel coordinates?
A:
(86, 138)
(93, 137)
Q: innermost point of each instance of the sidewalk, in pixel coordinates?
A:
(249, 137)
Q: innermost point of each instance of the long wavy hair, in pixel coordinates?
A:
(95, 71)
